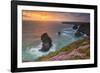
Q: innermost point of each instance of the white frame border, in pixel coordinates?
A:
(53, 63)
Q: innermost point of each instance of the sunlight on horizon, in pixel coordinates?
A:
(42, 16)
(29, 15)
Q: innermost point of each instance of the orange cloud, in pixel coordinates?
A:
(41, 16)
(30, 15)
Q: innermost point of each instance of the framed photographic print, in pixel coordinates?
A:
(51, 36)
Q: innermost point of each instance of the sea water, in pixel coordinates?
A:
(31, 38)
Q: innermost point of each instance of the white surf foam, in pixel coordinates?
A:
(35, 51)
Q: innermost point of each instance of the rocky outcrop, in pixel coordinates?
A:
(78, 34)
(75, 27)
(83, 28)
(46, 42)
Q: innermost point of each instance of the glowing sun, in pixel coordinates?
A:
(43, 17)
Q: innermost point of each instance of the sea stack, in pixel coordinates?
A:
(46, 42)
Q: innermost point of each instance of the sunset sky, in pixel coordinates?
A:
(29, 15)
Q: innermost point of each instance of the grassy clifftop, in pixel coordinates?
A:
(77, 50)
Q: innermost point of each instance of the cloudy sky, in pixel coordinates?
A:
(30, 15)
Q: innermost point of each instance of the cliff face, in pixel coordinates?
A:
(84, 28)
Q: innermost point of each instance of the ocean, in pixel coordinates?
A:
(31, 37)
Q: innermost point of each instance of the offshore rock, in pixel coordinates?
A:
(46, 42)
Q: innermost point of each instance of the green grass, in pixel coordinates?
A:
(68, 49)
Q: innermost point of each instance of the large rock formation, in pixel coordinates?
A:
(83, 28)
(46, 42)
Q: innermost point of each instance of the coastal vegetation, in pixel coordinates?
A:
(77, 50)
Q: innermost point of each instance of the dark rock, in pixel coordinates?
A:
(75, 27)
(78, 34)
(46, 42)
(83, 28)
(59, 33)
